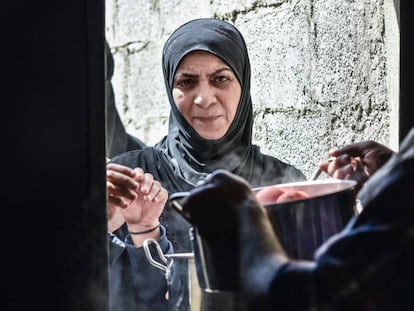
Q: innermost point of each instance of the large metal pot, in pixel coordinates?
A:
(303, 225)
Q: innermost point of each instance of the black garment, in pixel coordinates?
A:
(117, 139)
(369, 265)
(136, 285)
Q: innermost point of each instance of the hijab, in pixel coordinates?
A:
(194, 156)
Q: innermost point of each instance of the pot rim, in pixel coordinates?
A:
(341, 185)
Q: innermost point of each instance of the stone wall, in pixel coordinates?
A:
(324, 72)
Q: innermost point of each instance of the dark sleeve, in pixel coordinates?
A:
(134, 283)
(368, 266)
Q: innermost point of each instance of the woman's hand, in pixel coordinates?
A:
(120, 188)
(357, 161)
(236, 227)
(144, 211)
(134, 197)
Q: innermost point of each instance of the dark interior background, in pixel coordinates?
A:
(54, 251)
(54, 254)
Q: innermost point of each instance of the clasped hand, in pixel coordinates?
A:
(134, 197)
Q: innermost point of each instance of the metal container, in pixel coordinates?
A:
(303, 225)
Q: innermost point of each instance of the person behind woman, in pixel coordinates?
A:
(117, 139)
(206, 71)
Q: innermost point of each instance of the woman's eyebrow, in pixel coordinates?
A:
(221, 70)
(191, 75)
(185, 74)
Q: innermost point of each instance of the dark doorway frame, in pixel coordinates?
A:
(53, 155)
(406, 113)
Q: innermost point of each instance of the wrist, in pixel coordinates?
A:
(142, 228)
(143, 232)
(113, 227)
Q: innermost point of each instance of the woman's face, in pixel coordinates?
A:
(207, 93)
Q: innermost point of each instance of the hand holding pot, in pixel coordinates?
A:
(222, 207)
(235, 226)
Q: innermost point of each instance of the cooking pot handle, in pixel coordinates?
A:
(152, 261)
(175, 202)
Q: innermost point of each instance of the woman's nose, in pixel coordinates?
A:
(205, 95)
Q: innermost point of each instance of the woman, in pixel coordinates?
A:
(207, 76)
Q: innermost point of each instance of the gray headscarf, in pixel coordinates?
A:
(193, 155)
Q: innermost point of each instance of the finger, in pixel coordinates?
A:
(139, 174)
(337, 163)
(146, 184)
(158, 195)
(269, 195)
(117, 201)
(292, 195)
(344, 172)
(154, 190)
(323, 166)
(121, 180)
(359, 170)
(375, 158)
(117, 191)
(353, 150)
(120, 169)
(161, 196)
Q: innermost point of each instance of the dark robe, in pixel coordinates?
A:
(369, 265)
(136, 285)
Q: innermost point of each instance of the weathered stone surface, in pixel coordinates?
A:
(320, 69)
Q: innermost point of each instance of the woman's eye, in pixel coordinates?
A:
(185, 83)
(221, 79)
